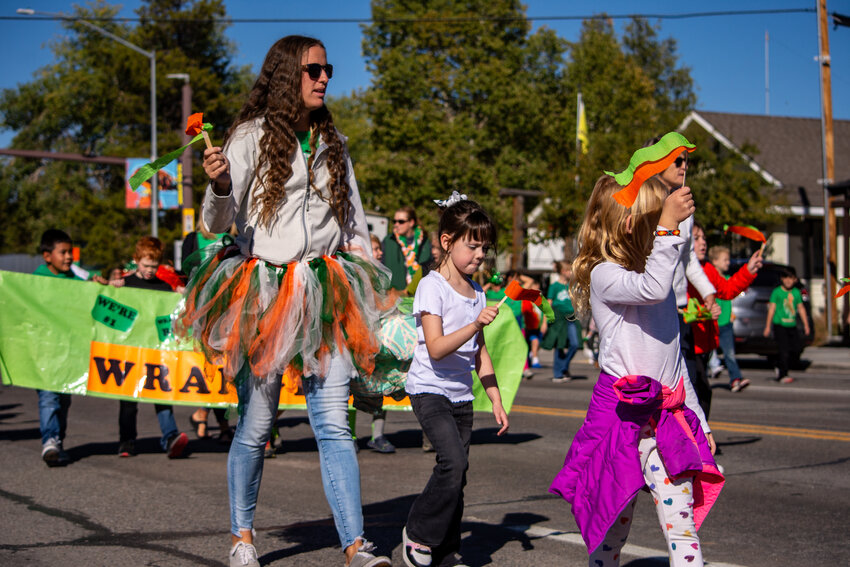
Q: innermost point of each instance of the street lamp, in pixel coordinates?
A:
(150, 55)
(186, 158)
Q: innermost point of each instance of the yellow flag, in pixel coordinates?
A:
(581, 126)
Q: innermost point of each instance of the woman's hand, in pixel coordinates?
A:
(678, 206)
(217, 169)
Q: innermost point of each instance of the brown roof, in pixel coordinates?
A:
(789, 149)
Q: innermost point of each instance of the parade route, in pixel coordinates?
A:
(784, 450)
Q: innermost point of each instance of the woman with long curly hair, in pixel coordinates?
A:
(295, 301)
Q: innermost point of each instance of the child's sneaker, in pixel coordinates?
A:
(176, 445)
(365, 558)
(786, 380)
(739, 384)
(243, 555)
(415, 554)
(127, 449)
(381, 444)
(535, 363)
(53, 454)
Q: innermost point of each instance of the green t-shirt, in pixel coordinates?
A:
(43, 270)
(786, 301)
(725, 310)
(559, 297)
(304, 140)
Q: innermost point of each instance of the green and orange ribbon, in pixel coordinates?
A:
(745, 230)
(647, 162)
(195, 125)
(845, 289)
(516, 292)
(695, 312)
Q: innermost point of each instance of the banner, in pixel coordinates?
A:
(169, 183)
(85, 338)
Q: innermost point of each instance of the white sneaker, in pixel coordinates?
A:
(53, 454)
(415, 554)
(244, 555)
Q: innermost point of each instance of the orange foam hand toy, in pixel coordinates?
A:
(747, 231)
(845, 289)
(516, 292)
(647, 162)
(195, 126)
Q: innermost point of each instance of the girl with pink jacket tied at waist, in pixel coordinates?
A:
(644, 428)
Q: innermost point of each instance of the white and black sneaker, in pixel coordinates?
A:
(53, 454)
(415, 554)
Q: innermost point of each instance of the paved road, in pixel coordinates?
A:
(785, 449)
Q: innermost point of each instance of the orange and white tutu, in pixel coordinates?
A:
(287, 319)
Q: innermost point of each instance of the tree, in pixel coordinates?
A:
(95, 100)
(461, 99)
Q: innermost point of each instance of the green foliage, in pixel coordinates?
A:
(726, 190)
(462, 105)
(95, 100)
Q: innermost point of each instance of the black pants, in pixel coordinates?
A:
(696, 371)
(127, 419)
(435, 516)
(788, 342)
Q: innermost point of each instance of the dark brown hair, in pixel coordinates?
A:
(276, 97)
(466, 219)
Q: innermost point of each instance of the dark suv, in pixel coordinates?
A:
(750, 310)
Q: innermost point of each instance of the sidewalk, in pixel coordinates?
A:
(828, 357)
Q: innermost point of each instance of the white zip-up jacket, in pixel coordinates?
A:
(304, 226)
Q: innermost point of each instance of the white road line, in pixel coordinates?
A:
(575, 539)
(800, 390)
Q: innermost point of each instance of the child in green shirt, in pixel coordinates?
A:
(56, 249)
(785, 304)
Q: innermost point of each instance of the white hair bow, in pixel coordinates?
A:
(455, 198)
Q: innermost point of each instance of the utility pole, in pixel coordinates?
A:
(829, 220)
(186, 156)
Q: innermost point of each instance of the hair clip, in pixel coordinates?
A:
(455, 198)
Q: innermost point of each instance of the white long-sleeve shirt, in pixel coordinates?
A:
(638, 323)
(688, 268)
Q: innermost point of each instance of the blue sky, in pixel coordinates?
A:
(726, 54)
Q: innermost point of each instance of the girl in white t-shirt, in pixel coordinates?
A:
(450, 311)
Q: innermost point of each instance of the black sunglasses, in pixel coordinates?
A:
(400, 221)
(314, 70)
(679, 160)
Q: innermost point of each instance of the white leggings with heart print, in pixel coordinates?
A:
(674, 503)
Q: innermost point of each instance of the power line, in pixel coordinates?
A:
(447, 20)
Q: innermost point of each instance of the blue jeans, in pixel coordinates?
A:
(727, 344)
(127, 422)
(327, 408)
(53, 414)
(563, 357)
